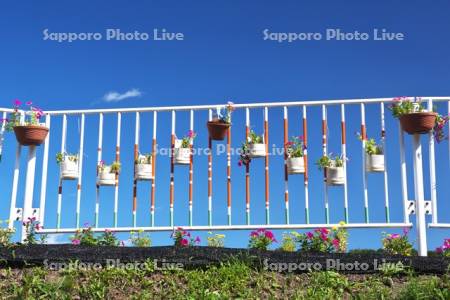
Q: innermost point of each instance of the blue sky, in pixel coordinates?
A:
(224, 57)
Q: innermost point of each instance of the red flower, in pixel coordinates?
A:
(184, 242)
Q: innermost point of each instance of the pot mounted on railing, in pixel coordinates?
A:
(30, 135)
(218, 127)
(418, 122)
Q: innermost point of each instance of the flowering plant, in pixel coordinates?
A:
(261, 239)
(31, 226)
(32, 116)
(288, 244)
(140, 239)
(84, 236)
(144, 159)
(328, 161)
(226, 117)
(445, 248)
(108, 238)
(188, 139)
(397, 244)
(60, 157)
(216, 240)
(403, 105)
(324, 240)
(295, 147)
(252, 138)
(114, 167)
(183, 238)
(6, 234)
(372, 148)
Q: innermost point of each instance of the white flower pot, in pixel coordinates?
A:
(182, 156)
(105, 177)
(256, 150)
(69, 169)
(375, 163)
(335, 176)
(295, 165)
(143, 172)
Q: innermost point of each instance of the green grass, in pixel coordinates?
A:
(231, 280)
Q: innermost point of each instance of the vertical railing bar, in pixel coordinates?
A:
(364, 171)
(325, 152)
(344, 155)
(2, 131)
(209, 173)
(152, 195)
(16, 174)
(191, 169)
(432, 170)
(385, 174)
(116, 186)
(403, 175)
(266, 141)
(448, 113)
(63, 150)
(99, 159)
(136, 155)
(80, 170)
(247, 169)
(172, 183)
(44, 174)
(286, 175)
(305, 162)
(229, 175)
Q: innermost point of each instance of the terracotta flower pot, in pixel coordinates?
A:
(32, 135)
(421, 122)
(217, 130)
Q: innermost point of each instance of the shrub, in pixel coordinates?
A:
(288, 242)
(108, 238)
(216, 240)
(183, 238)
(140, 239)
(324, 240)
(261, 239)
(6, 234)
(397, 244)
(84, 237)
(31, 226)
(445, 248)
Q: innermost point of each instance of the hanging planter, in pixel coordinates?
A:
(220, 124)
(107, 174)
(182, 151)
(68, 164)
(143, 167)
(333, 168)
(295, 151)
(28, 130)
(253, 147)
(415, 119)
(374, 155)
(257, 150)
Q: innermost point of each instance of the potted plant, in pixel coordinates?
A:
(28, 130)
(414, 118)
(68, 164)
(295, 160)
(219, 125)
(143, 167)
(107, 173)
(334, 169)
(256, 146)
(182, 151)
(374, 155)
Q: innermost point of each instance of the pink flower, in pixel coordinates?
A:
(191, 134)
(324, 231)
(29, 103)
(184, 242)
(75, 242)
(253, 234)
(197, 240)
(17, 103)
(405, 231)
(269, 235)
(335, 243)
(439, 250)
(309, 235)
(323, 237)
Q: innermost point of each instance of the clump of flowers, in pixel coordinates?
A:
(84, 237)
(60, 157)
(261, 239)
(397, 244)
(403, 105)
(108, 238)
(445, 248)
(114, 167)
(324, 240)
(32, 225)
(140, 239)
(216, 240)
(183, 238)
(6, 234)
(288, 242)
(226, 116)
(295, 147)
(32, 116)
(372, 148)
(144, 159)
(188, 139)
(328, 161)
(252, 138)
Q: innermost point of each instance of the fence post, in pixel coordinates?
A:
(418, 192)
(29, 188)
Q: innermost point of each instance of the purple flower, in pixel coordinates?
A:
(197, 240)
(309, 235)
(17, 103)
(29, 103)
(184, 242)
(75, 242)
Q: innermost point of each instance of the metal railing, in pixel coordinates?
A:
(420, 206)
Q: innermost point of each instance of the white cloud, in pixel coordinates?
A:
(57, 239)
(117, 97)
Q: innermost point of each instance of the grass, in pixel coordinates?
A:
(231, 280)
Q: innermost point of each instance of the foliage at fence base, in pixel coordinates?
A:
(202, 257)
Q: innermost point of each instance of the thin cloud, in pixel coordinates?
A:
(117, 97)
